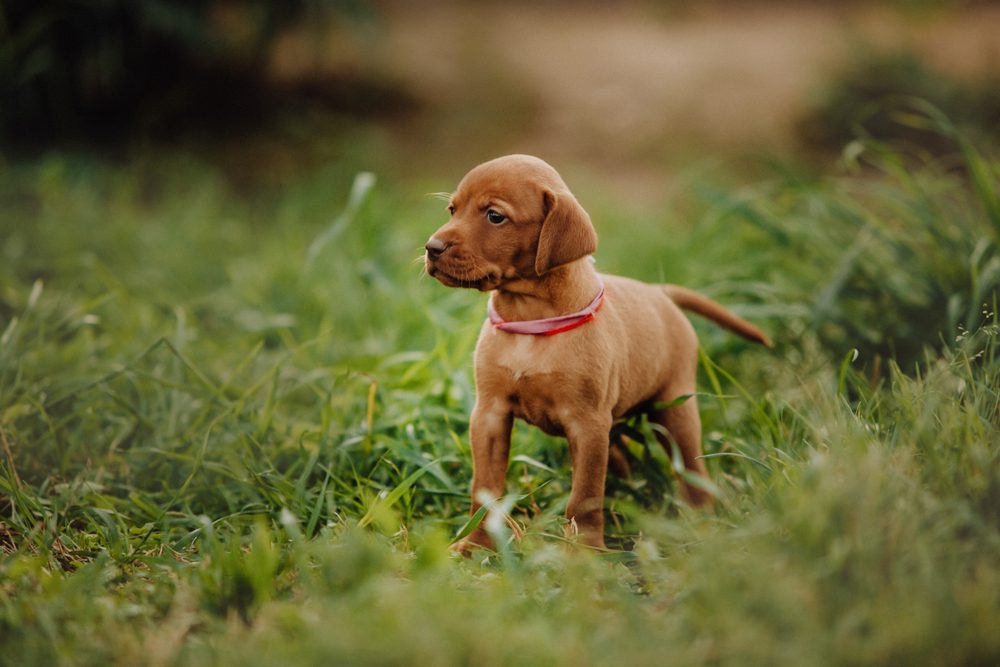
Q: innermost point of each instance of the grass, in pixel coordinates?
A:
(233, 431)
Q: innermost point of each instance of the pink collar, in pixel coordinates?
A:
(550, 325)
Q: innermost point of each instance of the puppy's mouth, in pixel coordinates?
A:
(483, 283)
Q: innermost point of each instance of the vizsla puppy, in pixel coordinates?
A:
(564, 348)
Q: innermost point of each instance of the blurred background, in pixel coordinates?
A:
(628, 91)
(824, 167)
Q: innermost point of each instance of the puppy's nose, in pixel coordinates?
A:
(435, 247)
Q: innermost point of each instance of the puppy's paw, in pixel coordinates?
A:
(465, 546)
(586, 536)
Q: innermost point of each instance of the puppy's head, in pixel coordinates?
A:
(512, 218)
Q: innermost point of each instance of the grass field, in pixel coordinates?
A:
(234, 429)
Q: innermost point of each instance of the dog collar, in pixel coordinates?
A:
(550, 325)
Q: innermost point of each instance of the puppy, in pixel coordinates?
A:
(565, 348)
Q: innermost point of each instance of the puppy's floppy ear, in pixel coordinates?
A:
(567, 233)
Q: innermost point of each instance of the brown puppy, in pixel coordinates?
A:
(515, 228)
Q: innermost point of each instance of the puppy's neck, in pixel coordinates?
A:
(563, 290)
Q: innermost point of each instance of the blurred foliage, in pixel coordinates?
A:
(892, 258)
(868, 95)
(95, 70)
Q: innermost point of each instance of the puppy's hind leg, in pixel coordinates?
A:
(618, 463)
(683, 424)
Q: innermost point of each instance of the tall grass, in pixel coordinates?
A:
(888, 258)
(235, 432)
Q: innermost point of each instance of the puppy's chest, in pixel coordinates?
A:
(521, 357)
(534, 378)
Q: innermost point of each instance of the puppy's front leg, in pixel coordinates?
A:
(489, 431)
(588, 448)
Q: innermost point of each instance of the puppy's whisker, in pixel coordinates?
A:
(443, 196)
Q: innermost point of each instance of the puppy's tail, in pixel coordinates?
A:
(702, 305)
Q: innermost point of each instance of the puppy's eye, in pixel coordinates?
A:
(451, 209)
(495, 217)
